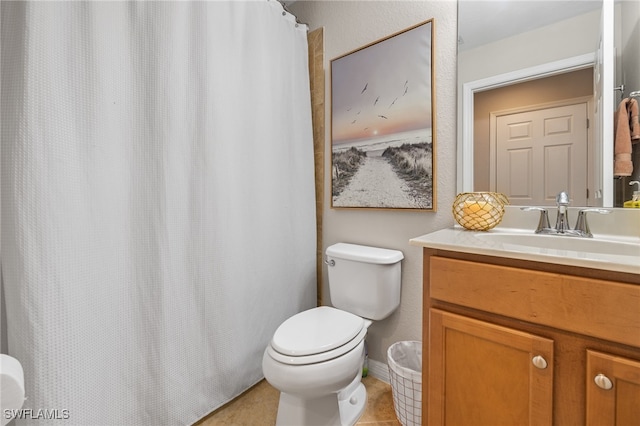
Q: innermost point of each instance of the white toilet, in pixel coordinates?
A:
(315, 357)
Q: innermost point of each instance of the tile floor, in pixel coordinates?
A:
(259, 405)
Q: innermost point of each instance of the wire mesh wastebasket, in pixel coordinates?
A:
(405, 372)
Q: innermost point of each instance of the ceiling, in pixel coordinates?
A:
(481, 21)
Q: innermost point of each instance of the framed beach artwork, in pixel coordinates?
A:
(383, 125)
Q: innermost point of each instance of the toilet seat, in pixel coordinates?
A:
(316, 335)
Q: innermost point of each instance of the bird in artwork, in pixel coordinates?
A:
(365, 88)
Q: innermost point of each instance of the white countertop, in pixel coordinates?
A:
(462, 240)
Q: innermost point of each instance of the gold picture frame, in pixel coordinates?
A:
(383, 123)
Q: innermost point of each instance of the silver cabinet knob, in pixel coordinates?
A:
(603, 382)
(539, 362)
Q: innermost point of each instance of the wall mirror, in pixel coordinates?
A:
(526, 58)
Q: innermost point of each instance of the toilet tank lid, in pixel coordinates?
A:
(365, 254)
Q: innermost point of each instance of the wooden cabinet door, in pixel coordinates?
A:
(613, 390)
(484, 374)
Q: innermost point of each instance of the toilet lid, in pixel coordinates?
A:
(315, 331)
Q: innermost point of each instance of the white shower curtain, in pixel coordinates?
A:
(158, 213)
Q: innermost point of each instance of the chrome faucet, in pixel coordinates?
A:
(562, 219)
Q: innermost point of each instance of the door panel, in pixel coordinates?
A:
(542, 152)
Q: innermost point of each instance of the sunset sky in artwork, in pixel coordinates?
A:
(384, 88)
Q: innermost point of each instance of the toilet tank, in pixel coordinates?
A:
(364, 280)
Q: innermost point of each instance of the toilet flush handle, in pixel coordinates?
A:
(330, 262)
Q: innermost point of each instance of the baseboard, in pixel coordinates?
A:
(379, 370)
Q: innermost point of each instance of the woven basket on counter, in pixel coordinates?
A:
(479, 211)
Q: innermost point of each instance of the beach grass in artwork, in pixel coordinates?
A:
(414, 164)
(345, 165)
(382, 123)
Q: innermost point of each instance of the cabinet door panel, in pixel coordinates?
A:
(483, 374)
(619, 405)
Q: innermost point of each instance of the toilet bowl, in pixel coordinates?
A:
(315, 358)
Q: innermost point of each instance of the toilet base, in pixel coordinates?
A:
(352, 408)
(342, 409)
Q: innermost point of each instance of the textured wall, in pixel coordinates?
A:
(348, 26)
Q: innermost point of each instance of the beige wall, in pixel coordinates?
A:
(348, 26)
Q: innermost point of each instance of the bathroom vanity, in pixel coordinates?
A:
(538, 336)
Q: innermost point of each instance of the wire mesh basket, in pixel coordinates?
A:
(405, 373)
(479, 211)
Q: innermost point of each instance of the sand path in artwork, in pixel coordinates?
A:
(375, 184)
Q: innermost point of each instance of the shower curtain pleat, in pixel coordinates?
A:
(158, 207)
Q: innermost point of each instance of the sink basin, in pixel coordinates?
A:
(556, 245)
